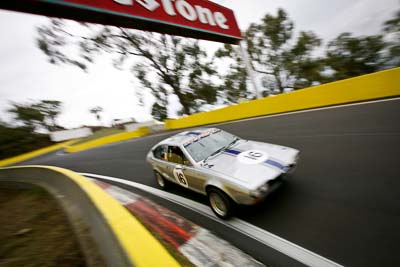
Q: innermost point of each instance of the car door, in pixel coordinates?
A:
(184, 172)
(196, 177)
(160, 161)
(178, 166)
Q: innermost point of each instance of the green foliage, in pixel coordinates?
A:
(50, 110)
(16, 141)
(392, 32)
(28, 115)
(300, 64)
(31, 117)
(393, 25)
(159, 112)
(167, 65)
(352, 56)
(274, 53)
(37, 115)
(235, 81)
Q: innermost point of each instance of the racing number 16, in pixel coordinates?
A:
(254, 154)
(180, 177)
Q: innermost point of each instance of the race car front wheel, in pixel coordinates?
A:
(220, 203)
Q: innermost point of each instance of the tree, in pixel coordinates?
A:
(352, 56)
(40, 114)
(392, 31)
(28, 115)
(274, 53)
(165, 65)
(17, 140)
(393, 25)
(159, 112)
(3, 123)
(50, 109)
(302, 67)
(235, 81)
(96, 111)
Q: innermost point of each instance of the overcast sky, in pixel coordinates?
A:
(25, 73)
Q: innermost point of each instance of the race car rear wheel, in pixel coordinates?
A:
(220, 203)
(161, 182)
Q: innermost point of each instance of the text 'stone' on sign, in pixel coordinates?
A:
(200, 19)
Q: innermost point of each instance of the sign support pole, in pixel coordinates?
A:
(249, 69)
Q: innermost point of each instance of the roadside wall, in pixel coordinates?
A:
(372, 86)
(70, 134)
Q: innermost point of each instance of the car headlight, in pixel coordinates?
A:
(259, 192)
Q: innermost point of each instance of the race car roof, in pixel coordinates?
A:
(188, 136)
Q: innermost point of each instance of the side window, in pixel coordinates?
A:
(176, 155)
(160, 152)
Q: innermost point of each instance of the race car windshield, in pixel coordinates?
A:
(208, 145)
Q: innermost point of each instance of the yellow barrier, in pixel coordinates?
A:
(372, 86)
(34, 154)
(108, 140)
(141, 247)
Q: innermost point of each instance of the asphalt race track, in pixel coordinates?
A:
(343, 201)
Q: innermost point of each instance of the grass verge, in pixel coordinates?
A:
(35, 231)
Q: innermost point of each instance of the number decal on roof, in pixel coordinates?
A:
(252, 156)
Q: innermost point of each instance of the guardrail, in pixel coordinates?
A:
(121, 239)
(372, 86)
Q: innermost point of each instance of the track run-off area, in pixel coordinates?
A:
(343, 200)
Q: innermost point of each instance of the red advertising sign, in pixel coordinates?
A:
(191, 18)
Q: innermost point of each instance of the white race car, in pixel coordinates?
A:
(226, 168)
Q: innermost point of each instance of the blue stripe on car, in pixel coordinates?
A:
(193, 133)
(232, 151)
(276, 164)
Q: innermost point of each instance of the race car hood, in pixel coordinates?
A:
(253, 163)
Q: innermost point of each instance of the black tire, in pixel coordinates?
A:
(160, 180)
(221, 204)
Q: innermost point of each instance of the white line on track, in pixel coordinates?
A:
(311, 110)
(286, 247)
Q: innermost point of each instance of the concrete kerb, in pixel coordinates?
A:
(198, 245)
(121, 239)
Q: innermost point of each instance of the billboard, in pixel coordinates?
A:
(190, 18)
